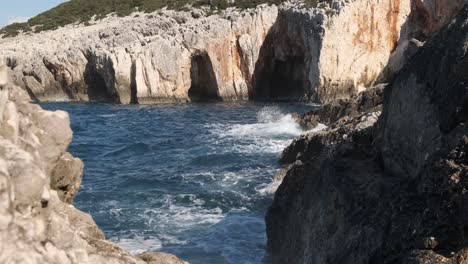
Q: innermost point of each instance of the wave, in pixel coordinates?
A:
(139, 244)
(271, 122)
(272, 132)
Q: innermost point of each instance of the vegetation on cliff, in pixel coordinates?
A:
(81, 11)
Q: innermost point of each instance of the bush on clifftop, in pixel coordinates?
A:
(81, 11)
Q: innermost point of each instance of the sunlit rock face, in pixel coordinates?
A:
(38, 181)
(145, 59)
(318, 53)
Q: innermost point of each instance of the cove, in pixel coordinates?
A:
(194, 180)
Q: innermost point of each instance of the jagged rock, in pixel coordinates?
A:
(66, 177)
(289, 52)
(314, 143)
(369, 100)
(160, 258)
(392, 192)
(36, 226)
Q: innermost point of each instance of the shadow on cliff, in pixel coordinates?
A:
(204, 86)
(285, 62)
(96, 86)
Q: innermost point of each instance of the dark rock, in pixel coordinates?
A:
(370, 100)
(394, 192)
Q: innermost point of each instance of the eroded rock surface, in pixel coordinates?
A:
(369, 100)
(38, 180)
(291, 52)
(386, 191)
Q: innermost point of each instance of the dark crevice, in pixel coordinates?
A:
(96, 86)
(282, 69)
(204, 86)
(133, 85)
(284, 79)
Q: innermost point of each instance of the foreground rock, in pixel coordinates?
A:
(386, 191)
(290, 52)
(38, 180)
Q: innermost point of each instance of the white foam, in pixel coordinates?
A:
(318, 128)
(139, 244)
(174, 216)
(272, 132)
(268, 189)
(107, 115)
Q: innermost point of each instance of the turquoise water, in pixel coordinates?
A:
(194, 180)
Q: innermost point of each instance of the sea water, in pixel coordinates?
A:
(194, 180)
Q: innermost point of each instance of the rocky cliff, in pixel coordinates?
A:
(38, 180)
(319, 52)
(388, 189)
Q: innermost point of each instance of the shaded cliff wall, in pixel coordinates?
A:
(386, 191)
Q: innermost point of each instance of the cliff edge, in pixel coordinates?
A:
(318, 52)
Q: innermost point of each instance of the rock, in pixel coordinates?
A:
(369, 100)
(3, 76)
(66, 177)
(160, 258)
(314, 144)
(391, 191)
(197, 13)
(36, 226)
(289, 52)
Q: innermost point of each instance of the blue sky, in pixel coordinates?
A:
(18, 10)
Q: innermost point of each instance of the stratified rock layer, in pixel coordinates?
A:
(38, 180)
(391, 191)
(289, 52)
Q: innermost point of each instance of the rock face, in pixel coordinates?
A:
(166, 56)
(386, 191)
(289, 52)
(38, 180)
(369, 100)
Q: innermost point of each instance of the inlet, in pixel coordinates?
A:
(203, 86)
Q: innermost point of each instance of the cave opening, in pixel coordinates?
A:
(204, 86)
(282, 79)
(96, 86)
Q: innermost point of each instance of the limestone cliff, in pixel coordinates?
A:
(291, 52)
(38, 180)
(386, 190)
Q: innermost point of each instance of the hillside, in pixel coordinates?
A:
(81, 11)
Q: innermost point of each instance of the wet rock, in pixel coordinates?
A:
(370, 100)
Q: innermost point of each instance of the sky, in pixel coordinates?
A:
(22, 10)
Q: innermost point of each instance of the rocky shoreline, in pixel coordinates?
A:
(324, 53)
(38, 180)
(384, 183)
